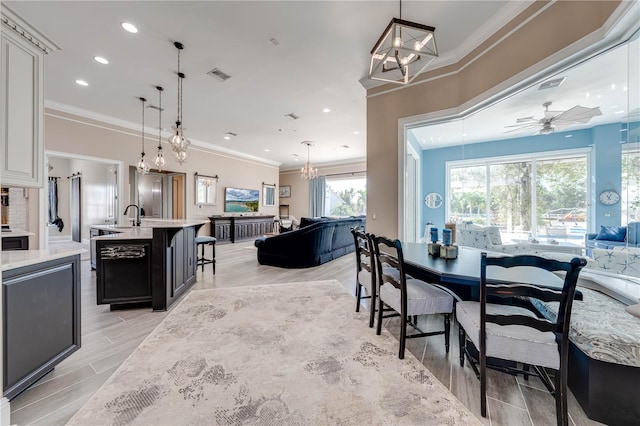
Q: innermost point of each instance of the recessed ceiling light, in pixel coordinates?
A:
(356, 132)
(229, 135)
(267, 150)
(326, 110)
(568, 136)
(619, 112)
(613, 87)
(129, 27)
(82, 83)
(625, 88)
(101, 60)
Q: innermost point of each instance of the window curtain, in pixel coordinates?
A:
(317, 194)
(53, 204)
(53, 199)
(270, 198)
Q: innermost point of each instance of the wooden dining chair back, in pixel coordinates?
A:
(365, 272)
(407, 296)
(500, 329)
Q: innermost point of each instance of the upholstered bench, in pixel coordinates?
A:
(604, 361)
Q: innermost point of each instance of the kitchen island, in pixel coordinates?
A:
(40, 313)
(151, 265)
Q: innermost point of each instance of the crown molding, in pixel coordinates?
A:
(506, 14)
(19, 26)
(106, 122)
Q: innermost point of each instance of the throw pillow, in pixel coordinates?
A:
(612, 233)
(494, 235)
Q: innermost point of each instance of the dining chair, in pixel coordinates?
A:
(408, 297)
(365, 272)
(509, 329)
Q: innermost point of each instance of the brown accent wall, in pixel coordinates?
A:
(542, 30)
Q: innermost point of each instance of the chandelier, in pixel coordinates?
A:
(142, 166)
(160, 161)
(179, 142)
(308, 171)
(403, 51)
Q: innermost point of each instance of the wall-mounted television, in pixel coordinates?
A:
(237, 200)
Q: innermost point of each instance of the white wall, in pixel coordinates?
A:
(68, 133)
(95, 193)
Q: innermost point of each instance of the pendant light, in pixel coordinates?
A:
(308, 171)
(142, 166)
(179, 142)
(403, 51)
(160, 161)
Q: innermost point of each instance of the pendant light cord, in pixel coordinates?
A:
(160, 89)
(143, 101)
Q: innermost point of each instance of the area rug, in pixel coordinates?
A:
(287, 354)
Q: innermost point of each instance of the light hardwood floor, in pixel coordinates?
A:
(108, 338)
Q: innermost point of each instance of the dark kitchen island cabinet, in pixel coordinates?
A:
(151, 265)
(40, 314)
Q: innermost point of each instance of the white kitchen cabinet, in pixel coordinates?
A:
(22, 101)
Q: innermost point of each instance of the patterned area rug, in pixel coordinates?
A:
(288, 354)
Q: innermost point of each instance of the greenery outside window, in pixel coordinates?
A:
(346, 196)
(541, 195)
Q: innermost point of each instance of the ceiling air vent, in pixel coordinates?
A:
(552, 83)
(292, 116)
(219, 74)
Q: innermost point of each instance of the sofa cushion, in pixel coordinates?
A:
(633, 233)
(494, 235)
(612, 233)
(310, 245)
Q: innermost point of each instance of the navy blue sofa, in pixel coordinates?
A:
(317, 241)
(631, 238)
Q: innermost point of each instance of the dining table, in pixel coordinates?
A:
(461, 275)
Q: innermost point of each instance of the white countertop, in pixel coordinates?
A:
(145, 231)
(17, 233)
(19, 258)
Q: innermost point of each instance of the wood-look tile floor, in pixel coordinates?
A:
(108, 338)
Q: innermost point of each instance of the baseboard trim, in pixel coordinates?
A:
(5, 412)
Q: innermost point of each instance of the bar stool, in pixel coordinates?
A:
(203, 241)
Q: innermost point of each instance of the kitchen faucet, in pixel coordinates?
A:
(137, 222)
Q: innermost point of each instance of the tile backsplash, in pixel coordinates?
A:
(16, 213)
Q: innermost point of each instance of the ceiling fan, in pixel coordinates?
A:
(555, 120)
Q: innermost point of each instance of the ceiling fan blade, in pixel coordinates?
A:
(577, 114)
(523, 125)
(526, 119)
(551, 114)
(519, 128)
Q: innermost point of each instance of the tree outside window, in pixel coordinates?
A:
(346, 197)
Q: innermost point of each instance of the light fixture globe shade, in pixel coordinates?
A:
(160, 161)
(142, 167)
(181, 156)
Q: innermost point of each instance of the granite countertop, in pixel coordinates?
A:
(126, 233)
(144, 231)
(19, 258)
(17, 233)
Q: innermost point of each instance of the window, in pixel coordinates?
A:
(630, 194)
(542, 195)
(346, 196)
